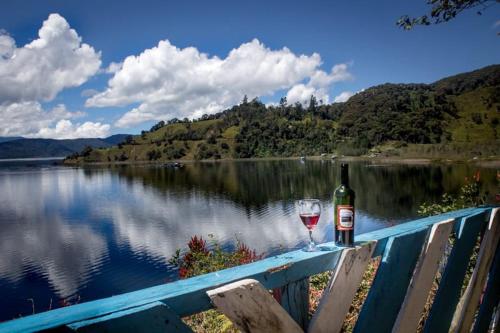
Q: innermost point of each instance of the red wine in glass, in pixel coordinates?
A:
(309, 212)
(309, 220)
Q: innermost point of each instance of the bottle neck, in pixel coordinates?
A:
(344, 175)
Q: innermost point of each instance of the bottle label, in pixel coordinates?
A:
(345, 217)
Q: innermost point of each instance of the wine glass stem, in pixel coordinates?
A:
(311, 236)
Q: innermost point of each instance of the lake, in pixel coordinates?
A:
(70, 234)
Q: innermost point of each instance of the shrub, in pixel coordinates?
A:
(206, 151)
(122, 157)
(470, 196)
(477, 118)
(174, 153)
(86, 151)
(494, 122)
(199, 259)
(153, 155)
(129, 139)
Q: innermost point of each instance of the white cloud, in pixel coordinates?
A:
(170, 82)
(89, 92)
(41, 69)
(343, 96)
(29, 119)
(114, 67)
(318, 85)
(65, 129)
(302, 93)
(37, 72)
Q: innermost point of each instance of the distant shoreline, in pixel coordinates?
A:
(27, 159)
(493, 163)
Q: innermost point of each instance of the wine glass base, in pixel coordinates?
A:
(311, 248)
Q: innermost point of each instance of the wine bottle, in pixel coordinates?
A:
(343, 205)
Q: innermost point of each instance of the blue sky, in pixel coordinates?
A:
(347, 46)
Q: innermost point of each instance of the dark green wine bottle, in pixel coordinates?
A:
(343, 205)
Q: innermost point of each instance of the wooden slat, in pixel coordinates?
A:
(339, 293)
(251, 308)
(154, 317)
(188, 296)
(295, 301)
(388, 290)
(491, 297)
(448, 294)
(464, 314)
(423, 277)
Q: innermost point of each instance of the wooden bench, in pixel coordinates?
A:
(411, 255)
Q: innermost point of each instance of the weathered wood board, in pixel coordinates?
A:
(381, 307)
(339, 293)
(450, 286)
(295, 301)
(252, 309)
(464, 314)
(423, 277)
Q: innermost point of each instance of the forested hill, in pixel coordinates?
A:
(458, 114)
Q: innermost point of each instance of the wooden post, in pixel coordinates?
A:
(380, 310)
(339, 293)
(491, 297)
(464, 314)
(295, 301)
(252, 309)
(423, 277)
(448, 294)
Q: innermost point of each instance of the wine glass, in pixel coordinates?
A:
(309, 212)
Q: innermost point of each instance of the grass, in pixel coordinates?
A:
(230, 132)
(476, 118)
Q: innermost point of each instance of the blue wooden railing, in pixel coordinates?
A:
(148, 309)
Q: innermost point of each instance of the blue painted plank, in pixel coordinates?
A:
(150, 318)
(295, 300)
(387, 293)
(448, 294)
(382, 235)
(491, 297)
(188, 296)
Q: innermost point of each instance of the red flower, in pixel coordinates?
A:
(477, 176)
(197, 245)
(183, 272)
(246, 254)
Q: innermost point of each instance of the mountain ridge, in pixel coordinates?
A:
(30, 148)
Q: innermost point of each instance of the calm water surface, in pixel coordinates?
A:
(78, 234)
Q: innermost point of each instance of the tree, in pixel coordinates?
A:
(313, 103)
(159, 125)
(86, 151)
(129, 139)
(245, 100)
(444, 11)
(283, 102)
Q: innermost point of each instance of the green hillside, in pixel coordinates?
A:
(454, 117)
